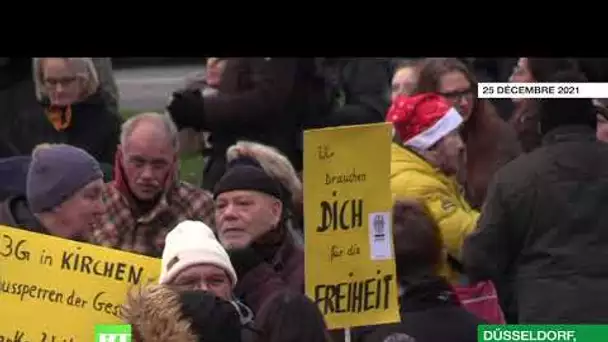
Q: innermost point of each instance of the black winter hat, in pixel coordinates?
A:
(247, 174)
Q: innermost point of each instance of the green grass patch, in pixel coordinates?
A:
(191, 167)
(127, 113)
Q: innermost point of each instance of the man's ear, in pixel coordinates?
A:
(276, 209)
(119, 152)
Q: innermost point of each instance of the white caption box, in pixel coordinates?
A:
(497, 90)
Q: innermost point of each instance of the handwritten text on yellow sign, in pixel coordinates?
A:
(350, 270)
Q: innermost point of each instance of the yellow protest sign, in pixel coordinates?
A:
(350, 268)
(56, 290)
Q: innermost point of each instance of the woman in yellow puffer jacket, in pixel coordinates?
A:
(425, 158)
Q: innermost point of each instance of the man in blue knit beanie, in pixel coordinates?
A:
(63, 194)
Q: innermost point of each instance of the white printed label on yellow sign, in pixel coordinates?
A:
(350, 268)
(53, 289)
(380, 236)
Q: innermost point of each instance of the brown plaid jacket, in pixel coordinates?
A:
(118, 228)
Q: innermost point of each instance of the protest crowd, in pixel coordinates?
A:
(497, 205)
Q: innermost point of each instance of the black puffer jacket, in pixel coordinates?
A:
(94, 128)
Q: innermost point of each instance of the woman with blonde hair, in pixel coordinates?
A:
(76, 111)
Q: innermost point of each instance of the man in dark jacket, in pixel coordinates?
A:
(258, 99)
(430, 310)
(250, 222)
(63, 194)
(543, 226)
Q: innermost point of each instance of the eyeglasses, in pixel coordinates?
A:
(457, 95)
(63, 81)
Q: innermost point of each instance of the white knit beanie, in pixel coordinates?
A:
(193, 243)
